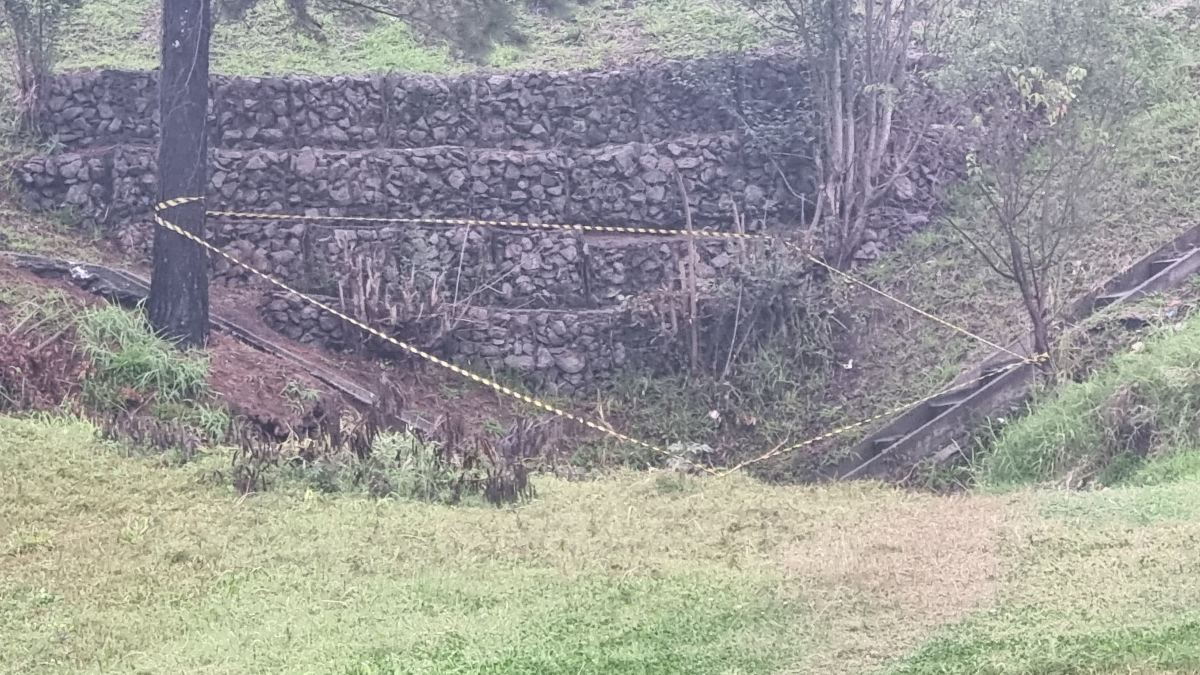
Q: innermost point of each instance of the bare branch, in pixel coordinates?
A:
(991, 257)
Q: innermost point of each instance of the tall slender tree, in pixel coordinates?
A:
(871, 108)
(178, 302)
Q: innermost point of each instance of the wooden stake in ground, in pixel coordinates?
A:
(693, 262)
(178, 304)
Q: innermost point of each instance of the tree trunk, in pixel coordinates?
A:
(1035, 307)
(179, 285)
(693, 263)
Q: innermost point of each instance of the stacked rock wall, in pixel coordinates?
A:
(617, 148)
(633, 184)
(498, 267)
(525, 111)
(563, 351)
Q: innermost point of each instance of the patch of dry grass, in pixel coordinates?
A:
(1102, 582)
(906, 567)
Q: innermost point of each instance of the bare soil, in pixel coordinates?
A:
(421, 389)
(259, 387)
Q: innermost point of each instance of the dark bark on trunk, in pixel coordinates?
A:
(178, 303)
(1035, 307)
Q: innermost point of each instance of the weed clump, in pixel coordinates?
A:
(39, 369)
(134, 371)
(352, 452)
(401, 465)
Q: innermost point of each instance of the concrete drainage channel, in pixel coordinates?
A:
(938, 431)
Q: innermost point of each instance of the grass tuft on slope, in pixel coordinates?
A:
(1144, 404)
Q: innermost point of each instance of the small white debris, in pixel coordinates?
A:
(79, 273)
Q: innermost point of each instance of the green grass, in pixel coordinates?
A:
(26, 232)
(1143, 402)
(185, 577)
(132, 369)
(127, 355)
(1179, 465)
(1158, 648)
(683, 28)
(122, 34)
(120, 561)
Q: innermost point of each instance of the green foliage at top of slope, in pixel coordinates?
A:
(124, 34)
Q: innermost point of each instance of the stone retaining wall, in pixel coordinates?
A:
(529, 110)
(520, 269)
(562, 309)
(556, 351)
(634, 184)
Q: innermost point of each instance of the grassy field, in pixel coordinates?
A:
(123, 34)
(121, 562)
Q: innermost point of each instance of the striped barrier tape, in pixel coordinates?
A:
(543, 405)
(698, 234)
(415, 351)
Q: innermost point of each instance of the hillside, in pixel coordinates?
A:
(122, 34)
(228, 510)
(892, 355)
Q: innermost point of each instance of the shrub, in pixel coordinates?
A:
(359, 457)
(403, 465)
(33, 26)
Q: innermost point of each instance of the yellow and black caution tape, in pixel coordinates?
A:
(839, 431)
(415, 351)
(538, 403)
(612, 229)
(850, 278)
(607, 229)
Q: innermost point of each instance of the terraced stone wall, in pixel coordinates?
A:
(565, 310)
(526, 111)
